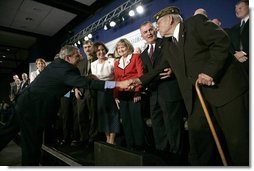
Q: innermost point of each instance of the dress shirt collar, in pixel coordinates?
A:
(127, 61)
(149, 47)
(37, 72)
(245, 19)
(176, 32)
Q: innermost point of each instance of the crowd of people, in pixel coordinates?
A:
(78, 98)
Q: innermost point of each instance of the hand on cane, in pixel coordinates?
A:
(204, 79)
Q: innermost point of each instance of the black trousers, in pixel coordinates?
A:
(34, 115)
(231, 122)
(167, 124)
(132, 120)
(66, 115)
(86, 117)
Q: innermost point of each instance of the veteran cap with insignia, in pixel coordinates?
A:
(165, 11)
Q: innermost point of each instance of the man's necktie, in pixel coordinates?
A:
(241, 29)
(89, 66)
(151, 53)
(242, 26)
(174, 40)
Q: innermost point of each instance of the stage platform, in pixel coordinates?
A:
(99, 154)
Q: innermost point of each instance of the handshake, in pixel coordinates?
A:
(130, 84)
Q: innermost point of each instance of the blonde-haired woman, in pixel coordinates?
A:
(40, 65)
(128, 101)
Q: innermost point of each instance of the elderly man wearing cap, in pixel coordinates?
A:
(198, 50)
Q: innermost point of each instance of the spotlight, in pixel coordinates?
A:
(79, 42)
(89, 35)
(75, 44)
(86, 38)
(131, 13)
(105, 27)
(140, 9)
(112, 24)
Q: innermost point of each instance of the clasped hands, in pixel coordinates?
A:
(132, 83)
(129, 84)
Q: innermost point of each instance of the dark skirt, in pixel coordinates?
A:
(108, 115)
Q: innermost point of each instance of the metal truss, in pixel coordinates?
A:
(102, 21)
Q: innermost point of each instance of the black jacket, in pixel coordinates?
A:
(166, 89)
(203, 47)
(41, 98)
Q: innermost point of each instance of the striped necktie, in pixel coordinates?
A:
(151, 53)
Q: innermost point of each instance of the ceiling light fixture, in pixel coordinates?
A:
(89, 35)
(112, 23)
(140, 9)
(131, 13)
(86, 38)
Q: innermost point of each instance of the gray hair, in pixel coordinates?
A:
(67, 50)
(88, 42)
(145, 23)
(24, 74)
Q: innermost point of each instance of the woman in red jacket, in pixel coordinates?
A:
(128, 101)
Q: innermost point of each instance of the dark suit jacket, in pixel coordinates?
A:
(41, 98)
(203, 47)
(12, 85)
(85, 71)
(23, 85)
(14, 91)
(167, 89)
(237, 37)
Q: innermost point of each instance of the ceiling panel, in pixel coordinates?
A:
(10, 4)
(25, 22)
(86, 2)
(35, 7)
(48, 26)
(31, 16)
(7, 16)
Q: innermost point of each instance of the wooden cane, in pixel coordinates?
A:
(210, 123)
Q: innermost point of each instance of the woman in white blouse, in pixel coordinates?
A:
(108, 117)
(40, 65)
